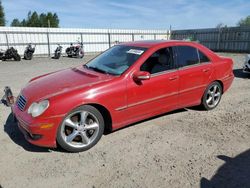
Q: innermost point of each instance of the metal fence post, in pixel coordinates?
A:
(154, 36)
(218, 42)
(133, 37)
(248, 46)
(48, 43)
(7, 40)
(109, 39)
(81, 38)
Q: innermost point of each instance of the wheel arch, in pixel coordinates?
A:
(219, 81)
(222, 85)
(106, 116)
(204, 106)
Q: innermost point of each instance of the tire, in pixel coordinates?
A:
(57, 56)
(17, 57)
(68, 52)
(14, 119)
(28, 56)
(81, 129)
(80, 53)
(212, 96)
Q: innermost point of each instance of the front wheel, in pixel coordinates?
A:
(80, 54)
(212, 96)
(81, 129)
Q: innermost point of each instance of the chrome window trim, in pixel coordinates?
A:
(163, 72)
(194, 65)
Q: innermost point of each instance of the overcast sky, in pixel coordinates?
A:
(138, 14)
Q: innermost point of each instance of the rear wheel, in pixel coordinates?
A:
(57, 55)
(68, 52)
(212, 96)
(17, 57)
(28, 56)
(81, 129)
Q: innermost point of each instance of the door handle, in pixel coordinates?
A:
(206, 70)
(173, 78)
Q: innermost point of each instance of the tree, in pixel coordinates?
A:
(23, 23)
(2, 15)
(52, 20)
(16, 23)
(34, 20)
(55, 20)
(221, 25)
(43, 20)
(244, 22)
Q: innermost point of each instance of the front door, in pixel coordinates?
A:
(160, 92)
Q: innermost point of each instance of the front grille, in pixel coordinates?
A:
(21, 102)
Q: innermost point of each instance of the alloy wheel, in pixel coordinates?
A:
(213, 96)
(80, 129)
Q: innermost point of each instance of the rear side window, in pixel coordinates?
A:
(187, 56)
(203, 57)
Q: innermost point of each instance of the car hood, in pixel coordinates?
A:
(56, 83)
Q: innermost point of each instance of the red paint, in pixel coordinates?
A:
(126, 99)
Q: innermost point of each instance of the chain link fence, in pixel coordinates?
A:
(94, 40)
(231, 39)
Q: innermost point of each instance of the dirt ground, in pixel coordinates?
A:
(185, 148)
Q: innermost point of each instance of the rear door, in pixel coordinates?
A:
(194, 72)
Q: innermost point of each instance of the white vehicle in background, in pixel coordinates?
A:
(246, 67)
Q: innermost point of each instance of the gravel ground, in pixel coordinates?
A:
(185, 148)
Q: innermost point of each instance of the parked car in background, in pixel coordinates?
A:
(246, 66)
(127, 83)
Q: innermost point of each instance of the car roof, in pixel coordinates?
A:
(160, 43)
(151, 43)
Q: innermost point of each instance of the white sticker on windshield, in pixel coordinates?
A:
(134, 51)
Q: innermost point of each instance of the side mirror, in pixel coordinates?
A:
(141, 75)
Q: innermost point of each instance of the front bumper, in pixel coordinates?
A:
(37, 131)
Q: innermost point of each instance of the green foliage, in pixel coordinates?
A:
(35, 20)
(244, 21)
(16, 23)
(2, 15)
(221, 25)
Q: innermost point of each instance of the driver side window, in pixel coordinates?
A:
(160, 61)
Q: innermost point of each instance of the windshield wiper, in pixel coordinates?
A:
(96, 69)
(86, 66)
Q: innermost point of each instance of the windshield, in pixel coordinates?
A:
(115, 60)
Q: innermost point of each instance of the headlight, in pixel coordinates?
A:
(36, 109)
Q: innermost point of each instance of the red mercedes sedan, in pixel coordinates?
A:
(125, 84)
